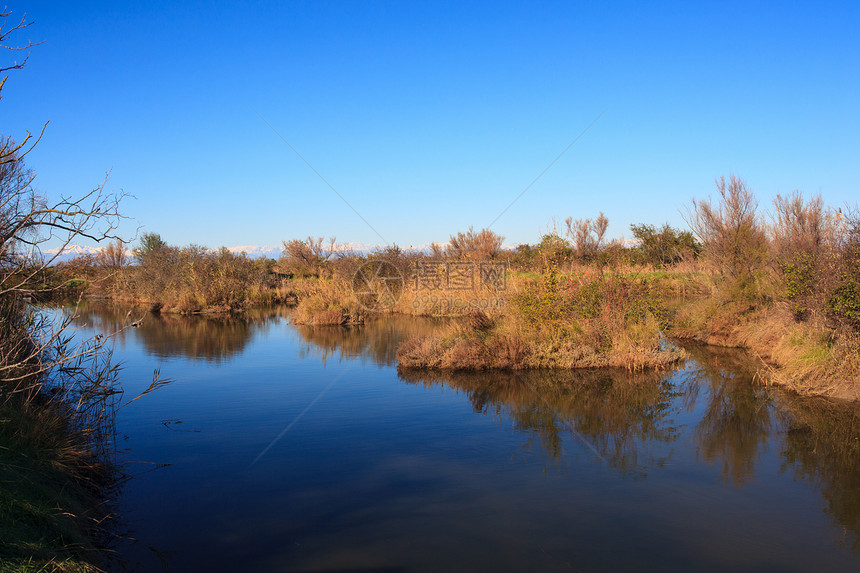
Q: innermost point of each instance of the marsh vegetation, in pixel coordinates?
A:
(781, 282)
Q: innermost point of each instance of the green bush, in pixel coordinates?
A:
(800, 277)
(844, 301)
(664, 246)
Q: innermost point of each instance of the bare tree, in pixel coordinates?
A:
(482, 245)
(587, 235)
(732, 237)
(309, 256)
(800, 226)
(29, 222)
(113, 256)
(35, 353)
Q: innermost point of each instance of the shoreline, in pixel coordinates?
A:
(765, 333)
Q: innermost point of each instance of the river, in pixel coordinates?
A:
(286, 448)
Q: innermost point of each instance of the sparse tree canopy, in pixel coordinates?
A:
(307, 257)
(587, 235)
(730, 232)
(799, 225)
(113, 256)
(733, 239)
(28, 221)
(482, 245)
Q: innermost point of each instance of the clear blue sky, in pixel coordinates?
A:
(429, 117)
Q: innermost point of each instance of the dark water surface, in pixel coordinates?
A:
(304, 449)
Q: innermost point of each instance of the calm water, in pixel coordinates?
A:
(284, 448)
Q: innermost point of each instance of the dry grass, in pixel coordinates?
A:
(592, 319)
(57, 406)
(328, 302)
(809, 357)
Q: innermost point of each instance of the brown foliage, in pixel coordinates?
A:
(308, 257)
(470, 245)
(587, 235)
(478, 320)
(113, 256)
(194, 278)
(734, 241)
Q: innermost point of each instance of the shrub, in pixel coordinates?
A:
(308, 257)
(587, 235)
(665, 246)
(732, 237)
(844, 301)
(195, 278)
(553, 250)
(800, 278)
(470, 245)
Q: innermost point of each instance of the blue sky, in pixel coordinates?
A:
(429, 117)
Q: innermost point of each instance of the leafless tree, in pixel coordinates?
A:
(309, 256)
(35, 352)
(113, 256)
(482, 245)
(800, 226)
(587, 235)
(733, 238)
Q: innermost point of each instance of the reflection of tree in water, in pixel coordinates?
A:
(616, 414)
(212, 338)
(821, 442)
(376, 339)
(822, 446)
(736, 424)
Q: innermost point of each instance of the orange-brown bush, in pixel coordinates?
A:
(587, 235)
(328, 302)
(307, 257)
(482, 245)
(194, 278)
(733, 239)
(589, 319)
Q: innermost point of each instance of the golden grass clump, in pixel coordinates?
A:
(329, 302)
(592, 319)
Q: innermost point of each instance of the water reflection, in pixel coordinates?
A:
(736, 422)
(618, 416)
(376, 339)
(210, 338)
(822, 446)
(632, 422)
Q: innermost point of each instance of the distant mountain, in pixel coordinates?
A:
(69, 253)
(256, 251)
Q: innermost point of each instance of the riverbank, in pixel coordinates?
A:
(809, 357)
(58, 398)
(590, 317)
(52, 509)
(586, 318)
(46, 517)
